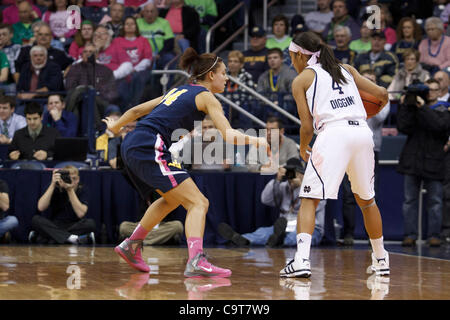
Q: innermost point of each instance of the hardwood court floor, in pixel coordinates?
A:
(94, 273)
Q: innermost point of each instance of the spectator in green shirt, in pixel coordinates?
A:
(4, 68)
(22, 29)
(280, 39)
(159, 33)
(207, 11)
(363, 44)
(10, 51)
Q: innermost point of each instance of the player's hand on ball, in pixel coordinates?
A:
(305, 152)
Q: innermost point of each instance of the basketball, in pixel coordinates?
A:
(371, 103)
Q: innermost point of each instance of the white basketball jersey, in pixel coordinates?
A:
(329, 101)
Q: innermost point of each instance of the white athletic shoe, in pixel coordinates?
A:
(301, 287)
(295, 269)
(379, 286)
(380, 266)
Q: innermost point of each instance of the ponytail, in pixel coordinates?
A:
(331, 65)
(313, 43)
(199, 65)
(188, 58)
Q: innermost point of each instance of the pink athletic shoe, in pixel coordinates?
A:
(132, 257)
(200, 267)
(197, 287)
(130, 290)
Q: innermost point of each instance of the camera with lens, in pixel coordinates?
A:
(65, 176)
(414, 90)
(290, 173)
(293, 166)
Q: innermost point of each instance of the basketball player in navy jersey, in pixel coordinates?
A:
(328, 103)
(147, 159)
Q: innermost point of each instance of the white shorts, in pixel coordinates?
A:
(338, 149)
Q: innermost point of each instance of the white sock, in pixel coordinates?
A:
(73, 239)
(303, 246)
(378, 247)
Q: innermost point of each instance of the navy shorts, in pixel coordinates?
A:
(149, 163)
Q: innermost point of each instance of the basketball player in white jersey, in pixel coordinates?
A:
(328, 103)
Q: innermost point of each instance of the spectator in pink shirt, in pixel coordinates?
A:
(56, 17)
(132, 7)
(435, 49)
(390, 33)
(136, 46)
(110, 55)
(185, 23)
(96, 3)
(116, 59)
(11, 13)
(139, 52)
(82, 37)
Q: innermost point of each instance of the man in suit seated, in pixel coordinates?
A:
(39, 75)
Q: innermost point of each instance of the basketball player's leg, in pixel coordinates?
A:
(361, 175)
(130, 248)
(157, 211)
(306, 221)
(196, 204)
(374, 227)
(186, 194)
(322, 178)
(372, 217)
(140, 174)
(300, 265)
(306, 217)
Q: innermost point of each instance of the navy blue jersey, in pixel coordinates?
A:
(176, 110)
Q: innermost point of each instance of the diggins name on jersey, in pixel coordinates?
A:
(343, 102)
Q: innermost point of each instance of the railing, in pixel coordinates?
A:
(250, 90)
(236, 33)
(265, 100)
(236, 106)
(219, 96)
(163, 72)
(165, 78)
(241, 110)
(266, 6)
(222, 20)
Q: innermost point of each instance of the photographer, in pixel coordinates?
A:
(281, 192)
(67, 200)
(426, 123)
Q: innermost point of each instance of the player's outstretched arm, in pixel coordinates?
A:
(131, 114)
(207, 103)
(368, 86)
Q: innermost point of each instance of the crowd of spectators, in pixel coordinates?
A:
(47, 65)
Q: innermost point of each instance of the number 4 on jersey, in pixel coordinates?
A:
(336, 86)
(171, 96)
